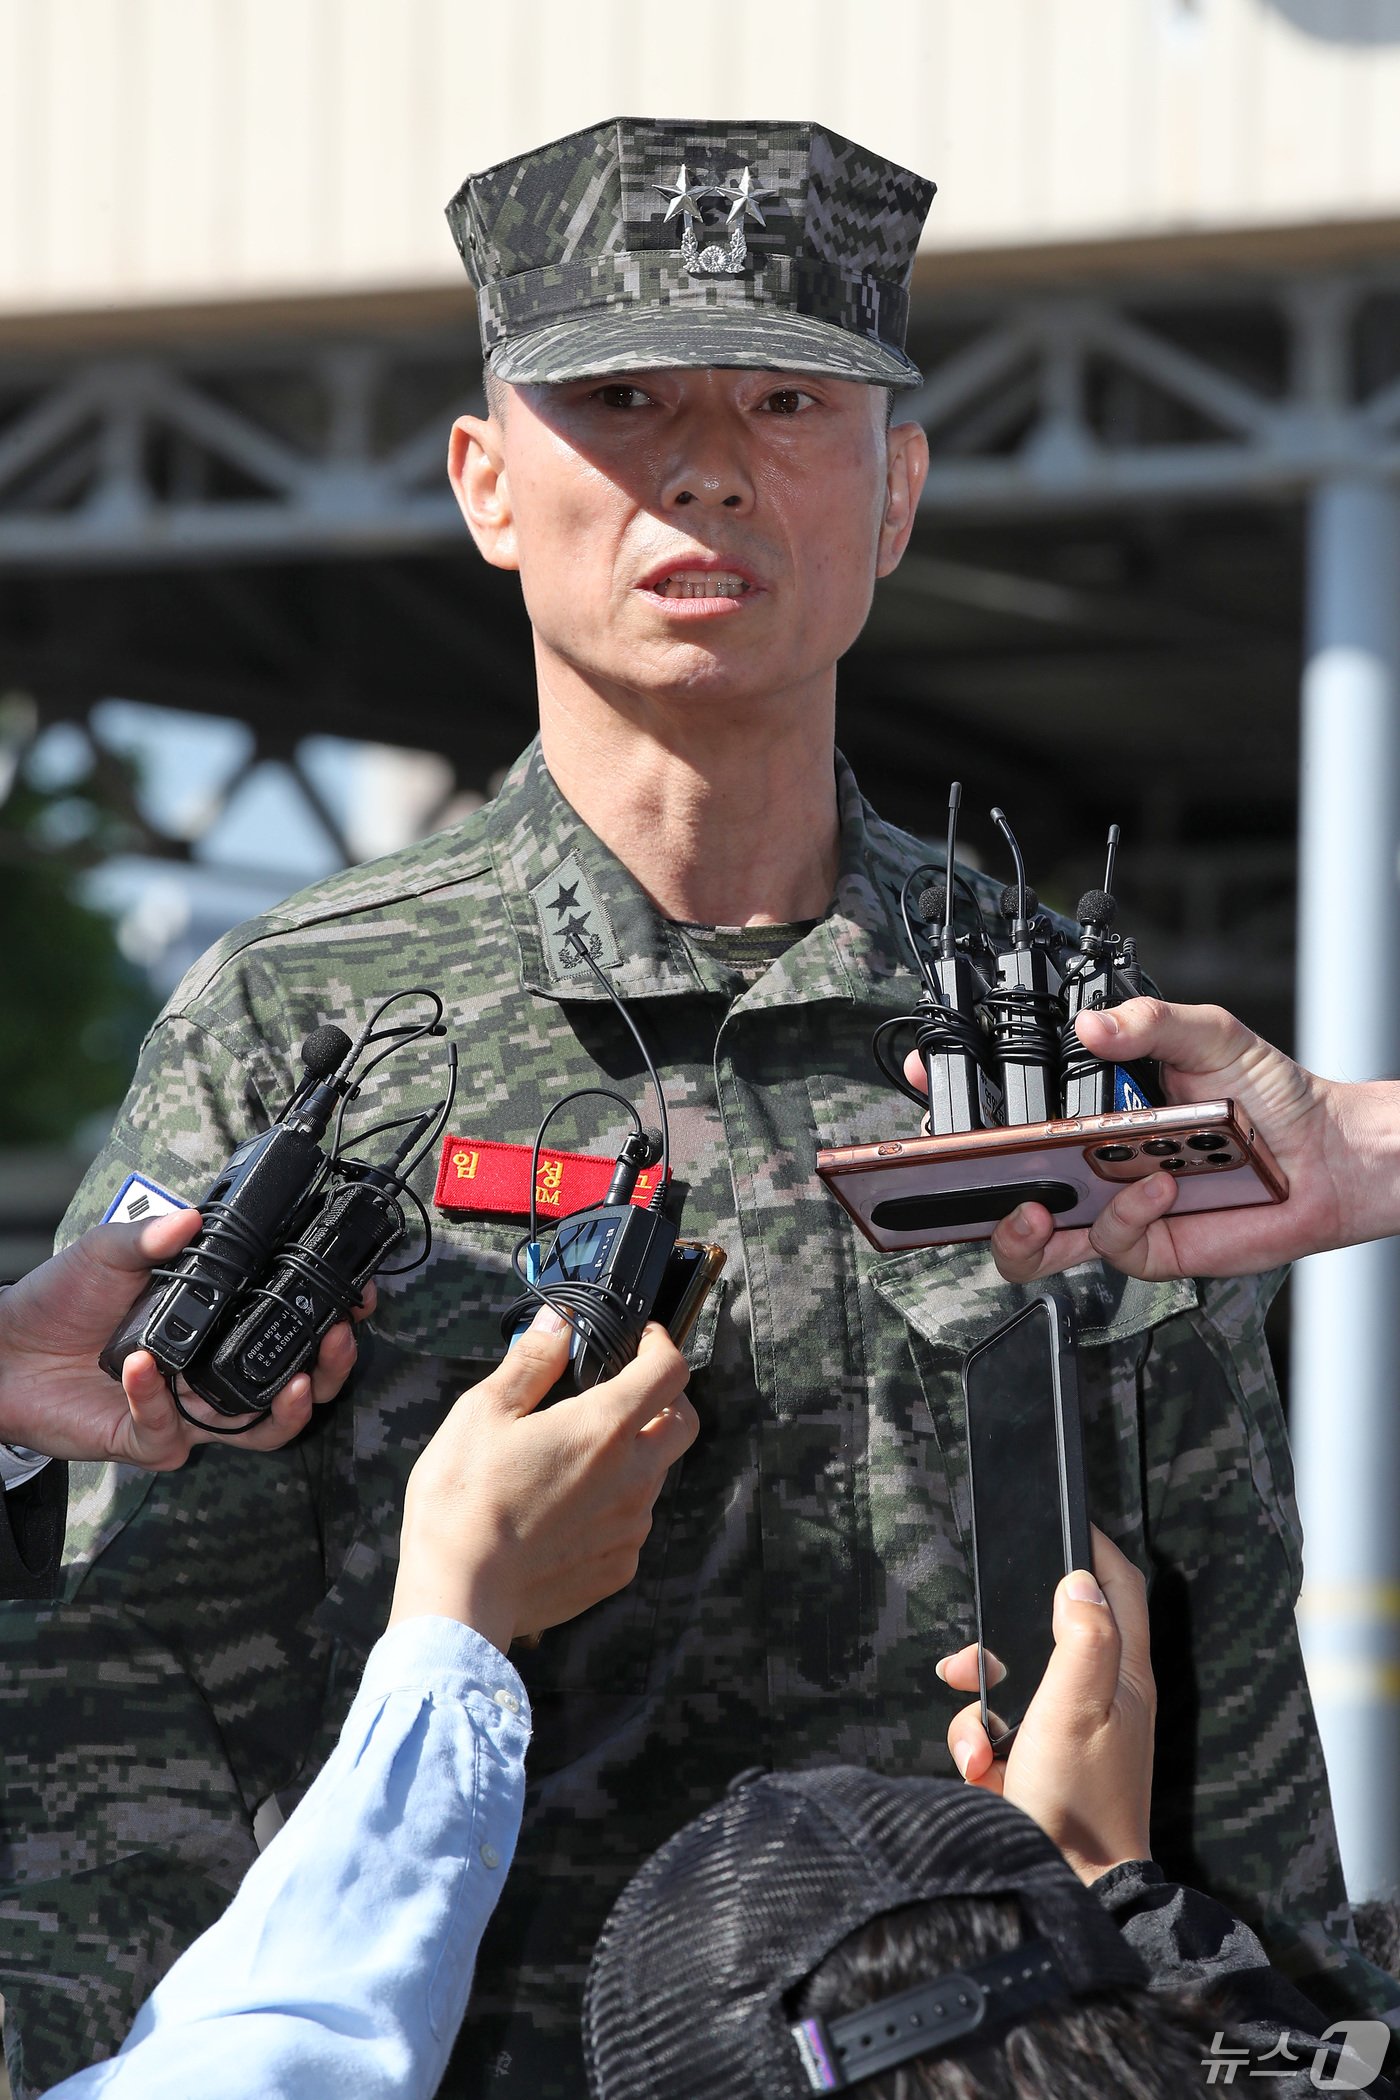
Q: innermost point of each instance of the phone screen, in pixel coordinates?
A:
(1029, 1525)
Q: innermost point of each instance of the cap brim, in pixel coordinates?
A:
(653, 338)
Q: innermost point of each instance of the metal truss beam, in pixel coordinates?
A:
(153, 460)
(1167, 396)
(1055, 402)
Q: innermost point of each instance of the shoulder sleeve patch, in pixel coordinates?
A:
(138, 1199)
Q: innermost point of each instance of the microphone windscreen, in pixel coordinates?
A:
(324, 1049)
(1011, 897)
(932, 902)
(1095, 908)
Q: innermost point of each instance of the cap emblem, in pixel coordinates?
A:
(741, 197)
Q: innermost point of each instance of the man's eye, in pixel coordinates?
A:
(787, 401)
(621, 396)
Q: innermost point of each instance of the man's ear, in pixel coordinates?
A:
(906, 471)
(476, 468)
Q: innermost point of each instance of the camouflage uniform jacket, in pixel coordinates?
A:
(1192, 1945)
(808, 1561)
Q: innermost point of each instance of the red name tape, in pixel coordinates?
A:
(479, 1178)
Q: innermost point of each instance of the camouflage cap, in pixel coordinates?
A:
(639, 243)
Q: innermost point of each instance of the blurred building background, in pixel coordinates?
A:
(243, 637)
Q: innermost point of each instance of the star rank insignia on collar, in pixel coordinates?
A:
(741, 197)
(567, 906)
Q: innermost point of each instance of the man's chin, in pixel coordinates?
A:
(714, 693)
(697, 680)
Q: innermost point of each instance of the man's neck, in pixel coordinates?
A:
(733, 823)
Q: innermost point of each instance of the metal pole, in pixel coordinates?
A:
(1346, 1306)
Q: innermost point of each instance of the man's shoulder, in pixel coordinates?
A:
(436, 885)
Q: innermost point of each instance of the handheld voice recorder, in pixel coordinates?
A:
(1016, 1109)
(290, 1232)
(606, 1264)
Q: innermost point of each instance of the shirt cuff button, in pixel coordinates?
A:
(508, 1700)
(490, 1857)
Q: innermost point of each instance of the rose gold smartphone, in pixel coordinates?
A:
(932, 1191)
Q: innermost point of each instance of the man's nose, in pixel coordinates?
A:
(708, 468)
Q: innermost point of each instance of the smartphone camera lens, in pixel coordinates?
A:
(1113, 1152)
(1162, 1148)
(1176, 1166)
(1208, 1141)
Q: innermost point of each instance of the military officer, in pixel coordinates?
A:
(693, 334)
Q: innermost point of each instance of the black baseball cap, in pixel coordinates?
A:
(690, 1986)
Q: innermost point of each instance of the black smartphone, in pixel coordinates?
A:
(1030, 1517)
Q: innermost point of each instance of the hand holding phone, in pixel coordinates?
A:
(933, 1191)
(1336, 1144)
(1081, 1763)
(1030, 1521)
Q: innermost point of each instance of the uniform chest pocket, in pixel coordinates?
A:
(953, 1298)
(451, 1307)
(435, 1335)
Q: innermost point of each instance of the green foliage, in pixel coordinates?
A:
(75, 1009)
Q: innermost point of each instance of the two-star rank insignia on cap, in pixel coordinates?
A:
(685, 196)
(645, 243)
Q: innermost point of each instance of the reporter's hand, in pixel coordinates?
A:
(1081, 1763)
(1338, 1144)
(53, 1397)
(515, 1520)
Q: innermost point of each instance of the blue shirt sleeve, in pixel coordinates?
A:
(343, 1964)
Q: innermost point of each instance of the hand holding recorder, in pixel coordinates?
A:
(518, 1516)
(1019, 1109)
(1337, 1144)
(55, 1400)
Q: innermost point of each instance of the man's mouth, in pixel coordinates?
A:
(702, 583)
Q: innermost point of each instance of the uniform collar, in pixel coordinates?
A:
(556, 875)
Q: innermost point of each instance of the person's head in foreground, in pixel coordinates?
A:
(833, 1931)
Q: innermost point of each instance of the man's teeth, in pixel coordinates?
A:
(706, 583)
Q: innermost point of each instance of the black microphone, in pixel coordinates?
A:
(1019, 903)
(1096, 911)
(324, 1049)
(1088, 1086)
(640, 1148)
(254, 1202)
(1102, 971)
(1024, 1009)
(948, 1036)
(323, 1053)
